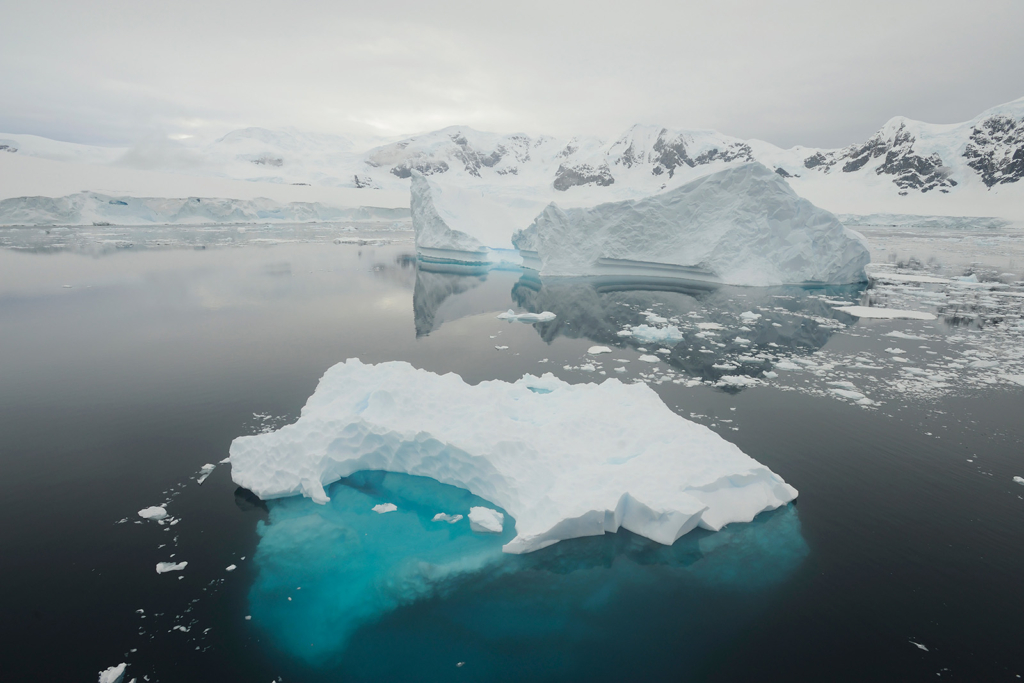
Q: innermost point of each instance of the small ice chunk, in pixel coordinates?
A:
(486, 520)
(749, 316)
(736, 381)
(230, 568)
(384, 507)
(844, 385)
(769, 374)
(741, 340)
(648, 358)
(501, 348)
(620, 369)
(982, 364)
(894, 350)
(902, 335)
(164, 567)
(445, 517)
(787, 365)
(155, 513)
(512, 316)
(114, 674)
(919, 646)
(710, 326)
(204, 472)
(594, 350)
(1019, 480)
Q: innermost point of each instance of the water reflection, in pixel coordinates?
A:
(704, 331)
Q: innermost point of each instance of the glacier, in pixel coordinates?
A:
(561, 460)
(741, 226)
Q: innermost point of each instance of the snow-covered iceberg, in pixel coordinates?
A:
(562, 460)
(462, 224)
(741, 226)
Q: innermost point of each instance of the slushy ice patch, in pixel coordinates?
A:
(326, 572)
(562, 460)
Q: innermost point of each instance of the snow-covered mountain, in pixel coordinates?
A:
(971, 168)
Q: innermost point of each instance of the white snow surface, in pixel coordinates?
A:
(562, 460)
(486, 520)
(114, 674)
(742, 226)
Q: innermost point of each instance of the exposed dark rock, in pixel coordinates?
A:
(268, 161)
(582, 174)
(783, 172)
(996, 150)
(426, 167)
(8, 148)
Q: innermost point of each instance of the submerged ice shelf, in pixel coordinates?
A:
(562, 460)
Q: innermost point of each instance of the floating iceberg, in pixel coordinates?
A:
(562, 460)
(741, 226)
(466, 225)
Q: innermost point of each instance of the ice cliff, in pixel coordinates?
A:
(563, 461)
(741, 226)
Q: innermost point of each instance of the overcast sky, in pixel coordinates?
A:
(820, 73)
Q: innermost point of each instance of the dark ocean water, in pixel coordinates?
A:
(116, 389)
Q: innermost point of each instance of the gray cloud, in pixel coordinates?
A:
(822, 74)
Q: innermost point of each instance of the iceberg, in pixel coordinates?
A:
(512, 316)
(563, 461)
(742, 226)
(466, 225)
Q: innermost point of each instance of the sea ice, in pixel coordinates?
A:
(486, 520)
(114, 674)
(561, 460)
(155, 513)
(743, 226)
(164, 567)
(594, 350)
(384, 507)
(512, 316)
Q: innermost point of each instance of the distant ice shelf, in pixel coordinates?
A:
(562, 460)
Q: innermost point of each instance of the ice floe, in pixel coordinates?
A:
(164, 567)
(384, 507)
(565, 461)
(885, 313)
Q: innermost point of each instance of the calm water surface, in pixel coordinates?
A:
(121, 374)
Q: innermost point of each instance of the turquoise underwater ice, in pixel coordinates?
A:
(330, 575)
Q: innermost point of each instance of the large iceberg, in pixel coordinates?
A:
(463, 224)
(562, 460)
(741, 226)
